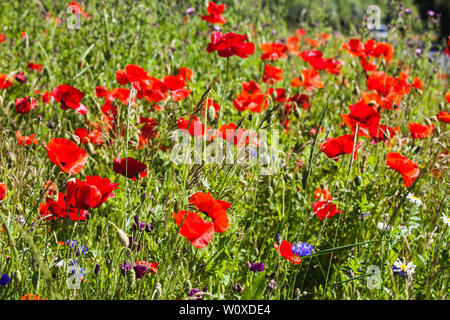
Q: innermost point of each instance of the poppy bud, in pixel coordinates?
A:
(97, 269)
(297, 292)
(357, 181)
(211, 113)
(17, 276)
(250, 117)
(131, 277)
(35, 279)
(297, 112)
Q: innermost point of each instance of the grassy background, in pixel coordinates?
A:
(155, 35)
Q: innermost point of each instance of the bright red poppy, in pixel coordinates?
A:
(3, 188)
(310, 79)
(316, 61)
(443, 116)
(272, 74)
(420, 131)
(333, 147)
(273, 51)
(101, 91)
(199, 232)
(242, 137)
(59, 209)
(24, 140)
(77, 9)
(2, 38)
(94, 137)
(194, 127)
(91, 193)
(230, 44)
(130, 168)
(286, 252)
(325, 209)
(31, 297)
(66, 155)
(25, 105)
(323, 195)
(251, 98)
(447, 96)
(407, 168)
(363, 115)
(215, 13)
(5, 83)
(69, 98)
(417, 83)
(214, 208)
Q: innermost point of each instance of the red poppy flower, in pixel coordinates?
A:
(420, 130)
(443, 116)
(59, 209)
(130, 168)
(333, 147)
(25, 105)
(101, 91)
(24, 140)
(293, 44)
(407, 168)
(286, 252)
(310, 79)
(148, 130)
(66, 155)
(69, 98)
(5, 83)
(215, 209)
(383, 133)
(417, 83)
(94, 137)
(186, 73)
(301, 100)
(77, 9)
(273, 51)
(272, 74)
(89, 194)
(215, 13)
(325, 209)
(3, 188)
(199, 232)
(241, 136)
(194, 127)
(447, 96)
(31, 297)
(230, 44)
(315, 60)
(2, 38)
(46, 97)
(35, 66)
(20, 77)
(323, 195)
(364, 115)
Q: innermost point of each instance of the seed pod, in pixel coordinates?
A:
(97, 269)
(123, 237)
(357, 181)
(297, 112)
(211, 113)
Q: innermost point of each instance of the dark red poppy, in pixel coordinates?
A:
(69, 98)
(25, 105)
(333, 147)
(215, 13)
(101, 91)
(273, 51)
(230, 44)
(199, 232)
(3, 188)
(287, 253)
(407, 168)
(130, 168)
(66, 155)
(420, 131)
(35, 66)
(325, 209)
(148, 130)
(272, 74)
(20, 77)
(214, 208)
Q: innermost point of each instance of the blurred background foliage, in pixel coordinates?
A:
(345, 15)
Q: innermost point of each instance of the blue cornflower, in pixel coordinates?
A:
(79, 249)
(4, 279)
(74, 265)
(302, 249)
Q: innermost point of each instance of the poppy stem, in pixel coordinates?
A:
(222, 92)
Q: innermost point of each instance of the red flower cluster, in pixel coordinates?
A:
(251, 98)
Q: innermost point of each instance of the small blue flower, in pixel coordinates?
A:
(74, 265)
(302, 249)
(79, 249)
(254, 153)
(4, 279)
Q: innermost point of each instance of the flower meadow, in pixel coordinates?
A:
(172, 150)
